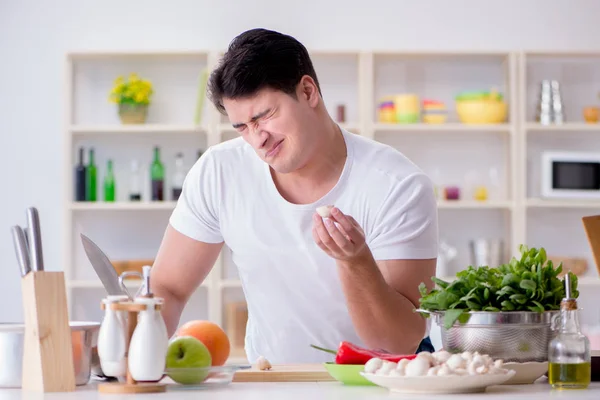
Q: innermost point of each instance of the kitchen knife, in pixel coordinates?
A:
(21, 250)
(35, 239)
(103, 267)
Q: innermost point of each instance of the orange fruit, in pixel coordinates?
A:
(213, 337)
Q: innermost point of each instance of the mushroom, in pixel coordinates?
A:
(401, 366)
(324, 211)
(433, 371)
(373, 365)
(441, 356)
(475, 364)
(417, 367)
(444, 370)
(468, 356)
(456, 361)
(263, 364)
(427, 356)
(386, 368)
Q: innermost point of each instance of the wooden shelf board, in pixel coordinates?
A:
(566, 203)
(472, 204)
(122, 206)
(97, 284)
(141, 128)
(446, 127)
(567, 127)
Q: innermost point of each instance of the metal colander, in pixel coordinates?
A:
(513, 336)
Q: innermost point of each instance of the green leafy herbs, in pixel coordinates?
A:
(530, 283)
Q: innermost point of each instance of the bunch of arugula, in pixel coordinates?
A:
(530, 283)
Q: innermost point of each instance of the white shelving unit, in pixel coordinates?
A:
(449, 152)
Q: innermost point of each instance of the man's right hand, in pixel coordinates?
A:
(181, 265)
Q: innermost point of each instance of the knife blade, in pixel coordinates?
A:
(35, 239)
(21, 250)
(103, 267)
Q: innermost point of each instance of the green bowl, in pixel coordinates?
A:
(348, 374)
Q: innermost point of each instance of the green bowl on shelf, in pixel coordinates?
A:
(348, 374)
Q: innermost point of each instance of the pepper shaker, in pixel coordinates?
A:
(112, 341)
(149, 342)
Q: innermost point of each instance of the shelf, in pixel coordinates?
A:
(567, 127)
(123, 206)
(472, 204)
(141, 128)
(97, 284)
(231, 283)
(541, 203)
(447, 127)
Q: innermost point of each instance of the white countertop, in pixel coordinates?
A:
(321, 390)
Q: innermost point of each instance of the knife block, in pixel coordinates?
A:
(47, 348)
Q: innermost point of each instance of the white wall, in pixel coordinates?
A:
(34, 35)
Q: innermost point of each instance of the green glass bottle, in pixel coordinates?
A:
(91, 193)
(157, 175)
(109, 183)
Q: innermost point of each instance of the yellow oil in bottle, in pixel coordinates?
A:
(569, 375)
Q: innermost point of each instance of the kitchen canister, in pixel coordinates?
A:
(408, 110)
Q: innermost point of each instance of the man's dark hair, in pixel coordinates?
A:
(259, 59)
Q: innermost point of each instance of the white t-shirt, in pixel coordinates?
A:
(291, 286)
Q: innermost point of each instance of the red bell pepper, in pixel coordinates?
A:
(349, 353)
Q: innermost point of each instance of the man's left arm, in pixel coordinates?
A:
(381, 279)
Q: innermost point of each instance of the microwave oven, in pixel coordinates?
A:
(574, 175)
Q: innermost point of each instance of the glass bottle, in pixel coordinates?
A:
(90, 178)
(135, 182)
(157, 175)
(178, 177)
(109, 183)
(80, 178)
(569, 355)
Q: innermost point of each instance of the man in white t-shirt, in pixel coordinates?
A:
(307, 279)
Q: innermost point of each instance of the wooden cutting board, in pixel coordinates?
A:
(285, 373)
(591, 225)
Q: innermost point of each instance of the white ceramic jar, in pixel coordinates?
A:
(112, 341)
(149, 343)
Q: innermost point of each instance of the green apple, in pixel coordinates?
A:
(188, 360)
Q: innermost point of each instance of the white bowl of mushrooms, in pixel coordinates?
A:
(438, 372)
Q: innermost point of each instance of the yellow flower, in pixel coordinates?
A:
(134, 90)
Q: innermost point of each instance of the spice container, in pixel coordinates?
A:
(434, 112)
(386, 111)
(569, 355)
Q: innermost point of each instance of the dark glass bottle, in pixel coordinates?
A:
(90, 178)
(109, 183)
(80, 178)
(157, 175)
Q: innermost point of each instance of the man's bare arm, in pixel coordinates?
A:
(381, 298)
(181, 265)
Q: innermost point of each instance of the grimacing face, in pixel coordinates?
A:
(279, 127)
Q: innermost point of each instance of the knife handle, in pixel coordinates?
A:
(35, 239)
(21, 250)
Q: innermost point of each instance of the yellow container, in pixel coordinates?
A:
(481, 108)
(407, 108)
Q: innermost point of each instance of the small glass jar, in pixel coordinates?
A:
(569, 355)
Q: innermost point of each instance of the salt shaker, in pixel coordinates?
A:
(112, 340)
(149, 342)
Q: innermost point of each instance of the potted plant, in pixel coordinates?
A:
(133, 98)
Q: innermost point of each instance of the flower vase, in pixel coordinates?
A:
(133, 113)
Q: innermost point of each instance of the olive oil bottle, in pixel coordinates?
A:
(569, 355)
